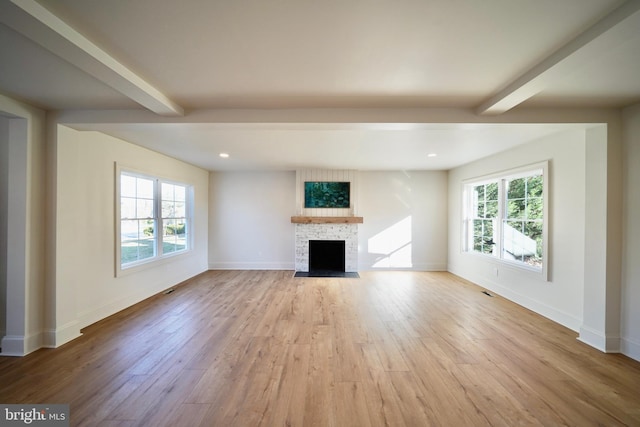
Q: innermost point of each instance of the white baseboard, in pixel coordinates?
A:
(19, 345)
(542, 309)
(95, 314)
(13, 345)
(34, 342)
(430, 267)
(291, 266)
(414, 267)
(598, 340)
(53, 338)
(630, 348)
(251, 266)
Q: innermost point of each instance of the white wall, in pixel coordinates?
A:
(250, 222)
(561, 298)
(86, 289)
(4, 209)
(630, 310)
(405, 220)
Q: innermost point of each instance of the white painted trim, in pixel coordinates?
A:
(630, 348)
(606, 344)
(251, 266)
(89, 317)
(34, 342)
(54, 338)
(19, 345)
(158, 258)
(499, 178)
(429, 267)
(415, 267)
(13, 345)
(592, 338)
(564, 319)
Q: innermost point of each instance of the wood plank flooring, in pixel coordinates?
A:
(261, 348)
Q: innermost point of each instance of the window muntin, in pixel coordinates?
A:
(523, 220)
(505, 217)
(154, 220)
(174, 217)
(485, 214)
(137, 219)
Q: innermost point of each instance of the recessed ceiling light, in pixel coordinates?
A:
(224, 155)
(431, 155)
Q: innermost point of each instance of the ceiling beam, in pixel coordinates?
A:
(621, 24)
(37, 23)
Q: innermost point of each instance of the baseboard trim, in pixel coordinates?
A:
(95, 314)
(18, 345)
(542, 309)
(251, 266)
(54, 338)
(414, 267)
(595, 339)
(630, 348)
(291, 266)
(34, 342)
(13, 345)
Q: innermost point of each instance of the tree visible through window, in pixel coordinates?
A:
(485, 213)
(137, 219)
(153, 218)
(504, 217)
(523, 220)
(174, 218)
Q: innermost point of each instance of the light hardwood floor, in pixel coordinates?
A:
(249, 348)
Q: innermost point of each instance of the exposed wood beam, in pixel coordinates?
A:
(620, 24)
(327, 220)
(37, 23)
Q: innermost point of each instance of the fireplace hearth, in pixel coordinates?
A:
(327, 259)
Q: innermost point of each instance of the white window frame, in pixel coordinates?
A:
(159, 257)
(500, 178)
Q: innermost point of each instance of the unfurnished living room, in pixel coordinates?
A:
(359, 213)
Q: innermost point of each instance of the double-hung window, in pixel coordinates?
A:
(505, 217)
(153, 218)
(174, 217)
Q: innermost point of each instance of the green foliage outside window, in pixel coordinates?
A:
(506, 218)
(485, 211)
(524, 213)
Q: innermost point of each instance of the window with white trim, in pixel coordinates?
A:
(153, 218)
(505, 217)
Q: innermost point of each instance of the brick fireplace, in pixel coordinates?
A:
(347, 232)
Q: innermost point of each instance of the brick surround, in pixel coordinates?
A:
(346, 232)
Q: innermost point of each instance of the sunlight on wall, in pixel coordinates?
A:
(393, 246)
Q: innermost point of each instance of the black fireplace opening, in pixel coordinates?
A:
(326, 256)
(327, 259)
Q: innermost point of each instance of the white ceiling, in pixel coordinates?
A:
(177, 58)
(333, 146)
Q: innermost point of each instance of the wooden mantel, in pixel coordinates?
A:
(327, 219)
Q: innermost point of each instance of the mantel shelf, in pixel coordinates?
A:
(327, 219)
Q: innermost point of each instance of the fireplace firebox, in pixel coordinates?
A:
(326, 256)
(346, 233)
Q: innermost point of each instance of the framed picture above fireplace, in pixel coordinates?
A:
(326, 194)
